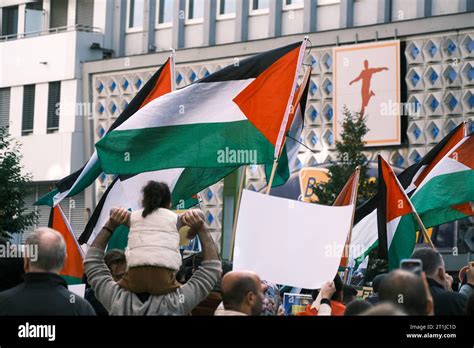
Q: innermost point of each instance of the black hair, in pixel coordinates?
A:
(155, 195)
(349, 293)
(430, 258)
(114, 256)
(406, 290)
(357, 307)
(234, 295)
(339, 294)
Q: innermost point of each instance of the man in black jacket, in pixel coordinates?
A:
(446, 302)
(43, 292)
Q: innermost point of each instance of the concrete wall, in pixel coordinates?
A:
(60, 53)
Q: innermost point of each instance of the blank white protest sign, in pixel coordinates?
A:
(289, 242)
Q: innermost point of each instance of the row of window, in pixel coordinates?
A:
(34, 16)
(195, 9)
(28, 113)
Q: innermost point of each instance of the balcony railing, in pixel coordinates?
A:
(77, 27)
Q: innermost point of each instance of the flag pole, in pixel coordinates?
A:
(420, 223)
(294, 107)
(349, 238)
(237, 209)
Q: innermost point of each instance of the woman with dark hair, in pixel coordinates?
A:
(153, 256)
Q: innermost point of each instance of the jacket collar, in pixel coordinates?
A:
(44, 277)
(432, 282)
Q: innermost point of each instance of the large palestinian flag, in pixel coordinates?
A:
(73, 270)
(160, 83)
(447, 191)
(364, 232)
(233, 117)
(396, 226)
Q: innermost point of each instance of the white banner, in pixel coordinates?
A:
(289, 242)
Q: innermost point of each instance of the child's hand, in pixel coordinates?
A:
(119, 216)
(193, 218)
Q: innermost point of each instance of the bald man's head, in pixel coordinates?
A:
(242, 292)
(406, 289)
(51, 251)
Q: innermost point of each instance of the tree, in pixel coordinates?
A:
(14, 216)
(349, 155)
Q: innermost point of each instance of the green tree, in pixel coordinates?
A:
(350, 154)
(14, 216)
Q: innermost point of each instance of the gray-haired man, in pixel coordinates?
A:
(43, 292)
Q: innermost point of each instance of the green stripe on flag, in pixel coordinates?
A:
(282, 173)
(72, 280)
(194, 180)
(441, 216)
(47, 199)
(87, 180)
(403, 241)
(137, 150)
(119, 239)
(444, 191)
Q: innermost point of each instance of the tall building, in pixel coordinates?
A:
(135, 36)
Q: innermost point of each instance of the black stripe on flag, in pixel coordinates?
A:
(250, 67)
(382, 213)
(86, 234)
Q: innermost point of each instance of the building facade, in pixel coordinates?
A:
(437, 67)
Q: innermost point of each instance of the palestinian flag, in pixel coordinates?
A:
(73, 270)
(126, 192)
(348, 196)
(447, 191)
(160, 83)
(396, 226)
(287, 162)
(364, 232)
(236, 116)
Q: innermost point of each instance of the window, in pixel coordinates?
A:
(226, 9)
(58, 15)
(135, 13)
(292, 4)
(259, 6)
(4, 107)
(165, 11)
(195, 10)
(34, 17)
(28, 109)
(85, 13)
(54, 97)
(10, 20)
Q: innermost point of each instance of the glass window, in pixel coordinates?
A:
(227, 7)
(54, 98)
(34, 17)
(28, 109)
(10, 20)
(260, 4)
(195, 9)
(293, 2)
(135, 15)
(165, 11)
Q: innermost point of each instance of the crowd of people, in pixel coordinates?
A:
(151, 278)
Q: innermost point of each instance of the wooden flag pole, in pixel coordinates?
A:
(349, 238)
(306, 77)
(237, 209)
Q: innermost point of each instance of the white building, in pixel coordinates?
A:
(136, 36)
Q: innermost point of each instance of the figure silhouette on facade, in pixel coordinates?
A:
(366, 77)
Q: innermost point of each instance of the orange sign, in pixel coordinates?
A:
(308, 179)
